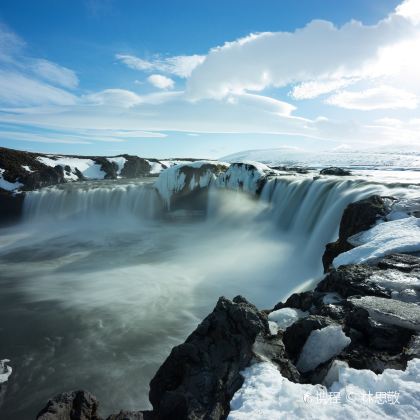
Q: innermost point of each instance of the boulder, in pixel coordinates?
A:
(357, 217)
(200, 376)
(74, 405)
(333, 170)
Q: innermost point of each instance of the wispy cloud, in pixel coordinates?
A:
(181, 65)
(161, 82)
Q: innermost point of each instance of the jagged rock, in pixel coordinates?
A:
(135, 167)
(351, 280)
(199, 378)
(390, 311)
(110, 168)
(272, 348)
(357, 217)
(334, 171)
(302, 301)
(401, 262)
(132, 415)
(296, 335)
(412, 350)
(74, 405)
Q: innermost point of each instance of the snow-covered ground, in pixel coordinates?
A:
(357, 160)
(354, 394)
(401, 235)
(88, 167)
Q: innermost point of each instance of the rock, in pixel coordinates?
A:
(296, 335)
(11, 206)
(132, 415)
(390, 311)
(135, 167)
(357, 217)
(74, 405)
(412, 350)
(332, 170)
(200, 376)
(351, 280)
(302, 301)
(401, 262)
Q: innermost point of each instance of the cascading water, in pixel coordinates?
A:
(92, 201)
(96, 289)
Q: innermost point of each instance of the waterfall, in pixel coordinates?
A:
(90, 201)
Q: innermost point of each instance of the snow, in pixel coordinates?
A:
(390, 311)
(156, 167)
(401, 235)
(27, 168)
(331, 299)
(6, 185)
(244, 176)
(320, 346)
(120, 161)
(291, 156)
(356, 394)
(88, 167)
(172, 180)
(286, 316)
(5, 370)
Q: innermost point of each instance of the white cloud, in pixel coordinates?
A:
(119, 98)
(313, 89)
(319, 51)
(382, 97)
(161, 82)
(19, 90)
(410, 9)
(181, 65)
(55, 74)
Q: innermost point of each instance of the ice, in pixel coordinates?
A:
(402, 235)
(5, 370)
(173, 180)
(320, 346)
(6, 185)
(286, 316)
(27, 168)
(356, 394)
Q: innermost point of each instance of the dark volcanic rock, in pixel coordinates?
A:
(334, 171)
(75, 405)
(351, 280)
(401, 262)
(11, 206)
(296, 335)
(135, 167)
(132, 415)
(200, 376)
(302, 301)
(357, 217)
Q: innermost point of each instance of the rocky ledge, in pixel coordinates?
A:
(200, 376)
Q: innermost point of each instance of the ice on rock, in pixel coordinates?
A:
(174, 179)
(265, 394)
(390, 311)
(6, 185)
(119, 161)
(401, 235)
(286, 316)
(320, 346)
(244, 176)
(5, 370)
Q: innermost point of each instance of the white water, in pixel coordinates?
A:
(97, 287)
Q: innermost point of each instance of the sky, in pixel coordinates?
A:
(189, 78)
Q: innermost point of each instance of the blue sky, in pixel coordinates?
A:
(208, 78)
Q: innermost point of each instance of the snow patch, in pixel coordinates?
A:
(401, 235)
(265, 394)
(88, 167)
(9, 186)
(120, 161)
(320, 346)
(27, 168)
(5, 370)
(286, 316)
